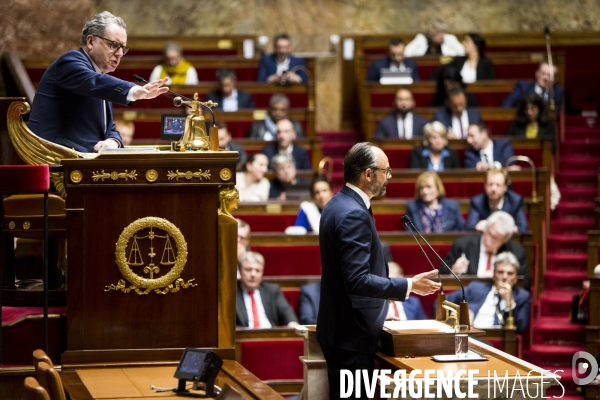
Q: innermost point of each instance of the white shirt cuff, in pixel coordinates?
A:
(409, 287)
(132, 91)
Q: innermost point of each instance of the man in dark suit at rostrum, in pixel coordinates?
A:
(455, 116)
(497, 196)
(354, 281)
(281, 66)
(475, 255)
(402, 123)
(489, 304)
(285, 144)
(228, 97)
(541, 86)
(485, 152)
(73, 102)
(394, 61)
(258, 304)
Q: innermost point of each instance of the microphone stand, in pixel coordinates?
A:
(551, 65)
(178, 101)
(464, 305)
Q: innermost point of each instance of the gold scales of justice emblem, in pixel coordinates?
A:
(149, 229)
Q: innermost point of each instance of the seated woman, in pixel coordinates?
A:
(474, 66)
(532, 120)
(431, 211)
(309, 215)
(251, 183)
(449, 77)
(434, 155)
(175, 67)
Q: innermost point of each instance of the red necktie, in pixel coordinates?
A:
(254, 310)
(488, 266)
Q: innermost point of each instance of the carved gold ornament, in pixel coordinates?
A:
(225, 174)
(146, 229)
(96, 176)
(76, 176)
(26, 225)
(188, 175)
(11, 225)
(151, 175)
(229, 199)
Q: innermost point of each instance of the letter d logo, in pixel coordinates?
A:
(580, 367)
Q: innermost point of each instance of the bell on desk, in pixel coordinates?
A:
(194, 135)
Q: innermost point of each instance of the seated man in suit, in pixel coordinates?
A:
(279, 106)
(455, 115)
(227, 96)
(394, 61)
(225, 143)
(258, 304)
(541, 86)
(489, 302)
(281, 66)
(285, 144)
(475, 255)
(402, 123)
(285, 176)
(497, 196)
(485, 152)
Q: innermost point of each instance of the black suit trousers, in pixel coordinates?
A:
(339, 359)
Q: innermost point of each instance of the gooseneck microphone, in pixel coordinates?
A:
(177, 98)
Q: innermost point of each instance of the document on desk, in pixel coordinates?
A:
(428, 324)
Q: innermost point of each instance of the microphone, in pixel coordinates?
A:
(546, 31)
(464, 306)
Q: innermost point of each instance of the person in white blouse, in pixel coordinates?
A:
(251, 183)
(435, 42)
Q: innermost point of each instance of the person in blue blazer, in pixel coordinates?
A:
(477, 293)
(284, 139)
(355, 285)
(402, 123)
(497, 196)
(395, 59)
(456, 116)
(73, 101)
(236, 99)
(541, 86)
(431, 211)
(281, 66)
(485, 152)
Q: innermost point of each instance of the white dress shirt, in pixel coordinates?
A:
(469, 75)
(405, 130)
(487, 155)
(262, 316)
(283, 66)
(483, 258)
(456, 127)
(230, 103)
(486, 314)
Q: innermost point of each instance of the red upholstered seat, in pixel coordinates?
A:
(18, 179)
(268, 222)
(292, 295)
(289, 260)
(271, 359)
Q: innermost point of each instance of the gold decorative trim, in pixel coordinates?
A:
(96, 176)
(168, 283)
(76, 176)
(151, 175)
(188, 175)
(229, 199)
(11, 225)
(225, 174)
(26, 225)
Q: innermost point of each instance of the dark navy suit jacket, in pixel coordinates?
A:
(68, 105)
(522, 88)
(513, 204)
(278, 310)
(452, 221)
(388, 126)
(244, 99)
(374, 72)
(503, 150)
(354, 282)
(268, 67)
(309, 305)
(476, 292)
(298, 152)
(445, 117)
(470, 247)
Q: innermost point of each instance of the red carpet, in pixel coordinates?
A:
(13, 315)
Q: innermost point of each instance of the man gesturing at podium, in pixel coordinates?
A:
(354, 285)
(72, 105)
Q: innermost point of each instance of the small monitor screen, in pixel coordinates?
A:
(172, 127)
(191, 364)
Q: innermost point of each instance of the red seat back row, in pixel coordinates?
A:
(485, 99)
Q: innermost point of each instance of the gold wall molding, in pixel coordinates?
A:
(188, 175)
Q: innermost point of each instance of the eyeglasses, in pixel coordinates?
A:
(388, 170)
(114, 46)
